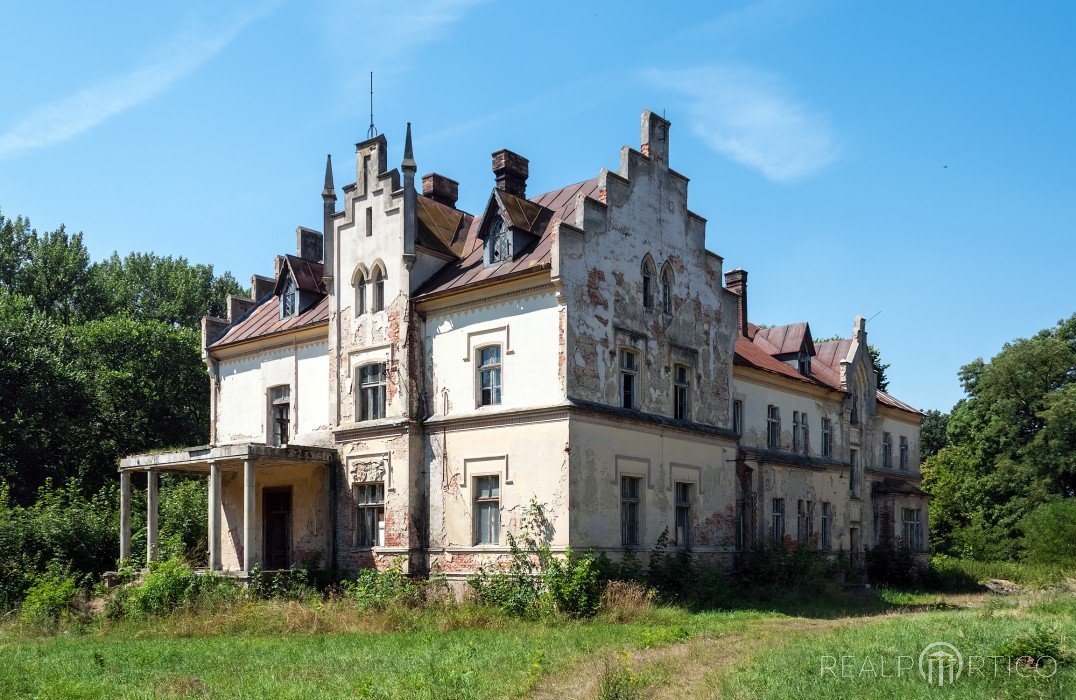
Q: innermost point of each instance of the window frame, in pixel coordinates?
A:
(372, 511)
(887, 450)
(631, 507)
(278, 437)
(827, 437)
(853, 473)
(773, 427)
(629, 375)
(495, 370)
(648, 283)
(826, 538)
(915, 542)
(777, 507)
(360, 293)
(737, 416)
(379, 278)
(682, 498)
(289, 299)
(681, 392)
(667, 283)
(904, 453)
(487, 504)
(380, 395)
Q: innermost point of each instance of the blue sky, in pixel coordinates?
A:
(907, 161)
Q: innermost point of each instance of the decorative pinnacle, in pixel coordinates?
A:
(329, 190)
(409, 155)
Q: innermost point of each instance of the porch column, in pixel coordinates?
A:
(248, 515)
(214, 516)
(125, 515)
(151, 515)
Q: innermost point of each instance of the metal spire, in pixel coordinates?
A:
(371, 132)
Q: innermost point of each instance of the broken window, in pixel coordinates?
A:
(280, 415)
(887, 450)
(629, 510)
(372, 380)
(489, 375)
(683, 514)
(379, 290)
(681, 393)
(827, 519)
(289, 299)
(778, 519)
(370, 515)
(912, 522)
(773, 427)
(360, 294)
(827, 438)
(903, 452)
(666, 290)
(648, 283)
(629, 375)
(487, 509)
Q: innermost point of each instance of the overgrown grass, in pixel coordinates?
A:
(813, 666)
(1029, 574)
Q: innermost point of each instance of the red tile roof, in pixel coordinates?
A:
(264, 319)
(551, 207)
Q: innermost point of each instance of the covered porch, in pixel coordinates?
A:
(273, 503)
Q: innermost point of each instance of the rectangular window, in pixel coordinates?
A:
(683, 514)
(629, 510)
(737, 417)
(487, 509)
(778, 519)
(370, 515)
(795, 431)
(372, 391)
(773, 427)
(913, 528)
(827, 438)
(827, 520)
(805, 364)
(629, 374)
(903, 452)
(489, 375)
(854, 419)
(738, 536)
(805, 435)
(809, 525)
(887, 450)
(369, 221)
(280, 415)
(681, 387)
(853, 474)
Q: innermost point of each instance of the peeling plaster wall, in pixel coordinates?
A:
(644, 212)
(603, 451)
(531, 459)
(242, 401)
(816, 486)
(897, 428)
(309, 516)
(525, 325)
(758, 396)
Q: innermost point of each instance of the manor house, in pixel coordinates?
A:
(409, 380)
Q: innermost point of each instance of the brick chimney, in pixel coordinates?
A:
(441, 189)
(511, 170)
(736, 282)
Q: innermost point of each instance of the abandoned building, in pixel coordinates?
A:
(402, 387)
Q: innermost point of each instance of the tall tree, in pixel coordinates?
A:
(932, 433)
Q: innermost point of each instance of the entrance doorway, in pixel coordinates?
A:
(276, 513)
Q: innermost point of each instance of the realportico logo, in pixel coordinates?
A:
(939, 664)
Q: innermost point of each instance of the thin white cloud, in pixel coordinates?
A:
(750, 117)
(91, 106)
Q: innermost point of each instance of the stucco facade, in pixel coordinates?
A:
(405, 385)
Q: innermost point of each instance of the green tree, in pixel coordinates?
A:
(932, 433)
(166, 289)
(1010, 445)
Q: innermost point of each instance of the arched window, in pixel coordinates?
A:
(648, 283)
(379, 290)
(360, 293)
(666, 290)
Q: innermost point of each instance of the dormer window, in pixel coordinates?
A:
(805, 364)
(498, 243)
(289, 299)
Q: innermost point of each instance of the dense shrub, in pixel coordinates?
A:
(894, 564)
(1034, 645)
(376, 590)
(170, 585)
(536, 582)
(49, 597)
(1050, 533)
(786, 568)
